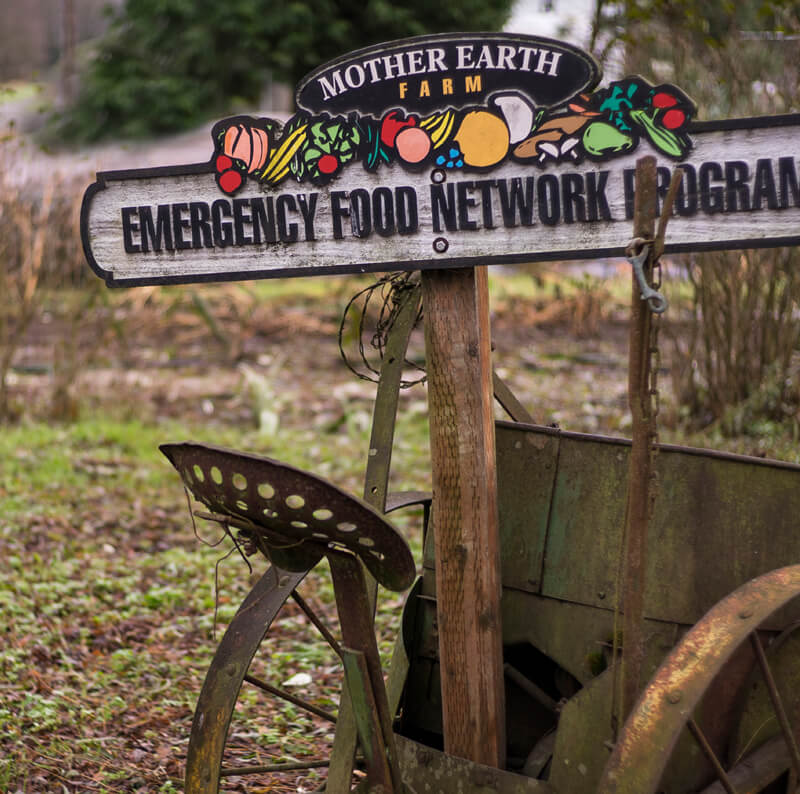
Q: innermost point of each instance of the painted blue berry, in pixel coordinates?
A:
(454, 153)
(440, 159)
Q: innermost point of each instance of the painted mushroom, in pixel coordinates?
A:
(555, 138)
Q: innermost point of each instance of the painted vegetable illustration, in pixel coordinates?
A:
(553, 138)
(391, 126)
(598, 126)
(243, 148)
(248, 144)
(413, 144)
(246, 148)
(332, 143)
(293, 138)
(635, 107)
(663, 121)
(674, 117)
(601, 138)
(229, 174)
(439, 126)
(483, 138)
(453, 157)
(517, 112)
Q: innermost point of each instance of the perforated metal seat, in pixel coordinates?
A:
(287, 508)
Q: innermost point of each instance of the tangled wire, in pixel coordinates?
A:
(390, 291)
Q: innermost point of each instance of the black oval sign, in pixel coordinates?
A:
(425, 73)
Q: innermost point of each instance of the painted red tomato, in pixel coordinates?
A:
(664, 100)
(230, 181)
(327, 164)
(673, 119)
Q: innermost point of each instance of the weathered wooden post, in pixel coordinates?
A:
(465, 512)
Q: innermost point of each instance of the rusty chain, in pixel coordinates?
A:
(654, 403)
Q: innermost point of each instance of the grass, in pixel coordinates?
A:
(109, 604)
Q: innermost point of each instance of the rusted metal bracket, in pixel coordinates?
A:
(366, 690)
(509, 402)
(384, 414)
(376, 482)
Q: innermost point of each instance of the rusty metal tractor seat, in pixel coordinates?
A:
(295, 518)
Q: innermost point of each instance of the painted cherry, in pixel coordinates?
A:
(224, 163)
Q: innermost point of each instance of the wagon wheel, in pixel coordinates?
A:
(295, 519)
(639, 763)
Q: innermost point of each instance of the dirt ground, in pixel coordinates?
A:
(161, 353)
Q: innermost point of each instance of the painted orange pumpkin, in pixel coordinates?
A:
(248, 144)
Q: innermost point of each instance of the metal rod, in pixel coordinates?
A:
(321, 627)
(528, 686)
(230, 771)
(777, 702)
(376, 484)
(509, 402)
(282, 693)
(709, 753)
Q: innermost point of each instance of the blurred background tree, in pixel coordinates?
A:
(167, 65)
(736, 357)
(734, 57)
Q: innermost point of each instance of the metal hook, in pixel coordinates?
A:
(655, 300)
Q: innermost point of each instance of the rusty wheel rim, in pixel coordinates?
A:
(667, 704)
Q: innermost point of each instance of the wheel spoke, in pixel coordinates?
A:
(230, 771)
(282, 693)
(321, 627)
(777, 701)
(709, 753)
(759, 769)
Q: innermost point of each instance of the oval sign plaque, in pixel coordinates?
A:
(430, 72)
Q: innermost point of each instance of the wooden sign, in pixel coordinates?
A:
(443, 151)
